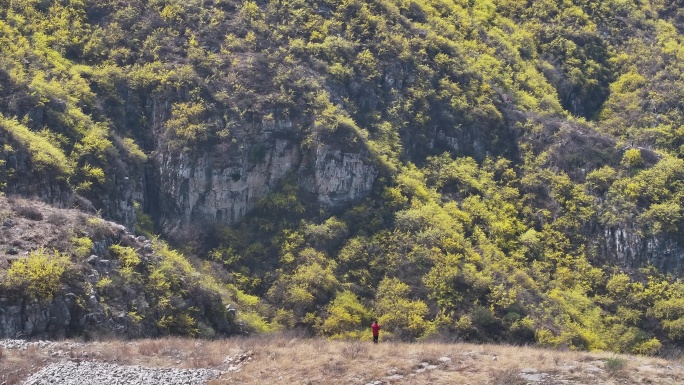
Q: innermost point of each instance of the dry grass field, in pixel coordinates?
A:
(291, 360)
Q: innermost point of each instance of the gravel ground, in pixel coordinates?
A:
(86, 373)
(23, 344)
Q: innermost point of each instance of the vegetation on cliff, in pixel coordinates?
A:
(523, 147)
(64, 274)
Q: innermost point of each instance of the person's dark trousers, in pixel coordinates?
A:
(375, 339)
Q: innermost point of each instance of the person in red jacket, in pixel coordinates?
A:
(376, 331)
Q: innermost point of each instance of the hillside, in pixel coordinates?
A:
(491, 171)
(65, 273)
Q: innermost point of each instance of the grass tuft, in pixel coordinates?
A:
(508, 376)
(614, 364)
(354, 349)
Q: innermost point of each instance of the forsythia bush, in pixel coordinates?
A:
(40, 275)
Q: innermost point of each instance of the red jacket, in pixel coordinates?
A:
(376, 329)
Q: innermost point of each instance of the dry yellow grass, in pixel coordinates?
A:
(322, 362)
(292, 360)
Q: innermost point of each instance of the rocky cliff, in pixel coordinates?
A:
(106, 287)
(628, 248)
(223, 182)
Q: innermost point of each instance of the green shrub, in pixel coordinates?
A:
(187, 125)
(82, 246)
(345, 315)
(44, 155)
(106, 288)
(143, 222)
(614, 364)
(129, 260)
(632, 158)
(40, 275)
(398, 313)
(133, 150)
(253, 322)
(650, 347)
(485, 319)
(127, 255)
(179, 323)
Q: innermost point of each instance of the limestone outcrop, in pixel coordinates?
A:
(223, 183)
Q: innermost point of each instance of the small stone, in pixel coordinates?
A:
(105, 265)
(533, 377)
(94, 277)
(444, 360)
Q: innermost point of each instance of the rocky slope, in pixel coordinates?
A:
(104, 285)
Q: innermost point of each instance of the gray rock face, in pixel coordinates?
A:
(60, 312)
(627, 248)
(35, 319)
(219, 186)
(223, 184)
(340, 177)
(28, 183)
(10, 320)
